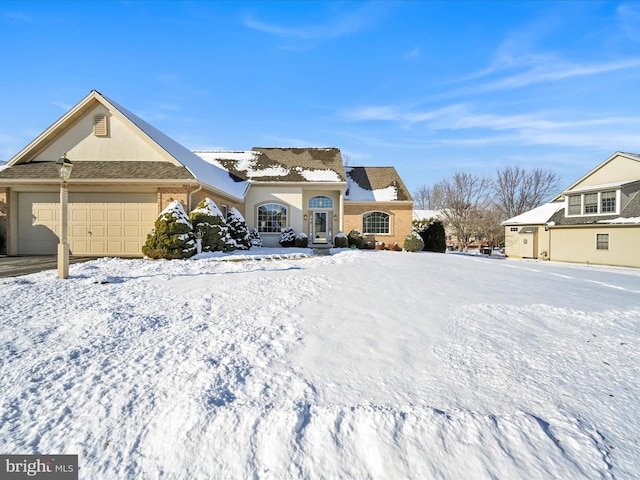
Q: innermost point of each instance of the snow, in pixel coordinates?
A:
(536, 216)
(622, 220)
(357, 193)
(419, 214)
(4, 167)
(209, 208)
(319, 175)
(212, 176)
(274, 363)
(177, 211)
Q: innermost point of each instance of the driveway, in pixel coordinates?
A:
(16, 266)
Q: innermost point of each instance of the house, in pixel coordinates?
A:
(596, 220)
(126, 171)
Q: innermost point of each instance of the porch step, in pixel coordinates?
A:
(321, 249)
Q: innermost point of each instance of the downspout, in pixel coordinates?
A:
(190, 196)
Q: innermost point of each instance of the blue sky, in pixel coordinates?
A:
(429, 87)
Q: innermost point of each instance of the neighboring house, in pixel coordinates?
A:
(596, 220)
(126, 171)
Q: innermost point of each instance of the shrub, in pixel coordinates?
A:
(433, 235)
(254, 237)
(172, 236)
(238, 230)
(302, 241)
(355, 238)
(341, 241)
(413, 242)
(287, 237)
(208, 220)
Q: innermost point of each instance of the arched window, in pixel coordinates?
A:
(272, 218)
(375, 222)
(321, 202)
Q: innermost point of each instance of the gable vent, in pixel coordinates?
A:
(100, 125)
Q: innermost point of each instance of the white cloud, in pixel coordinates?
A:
(628, 17)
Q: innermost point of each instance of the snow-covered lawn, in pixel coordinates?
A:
(363, 364)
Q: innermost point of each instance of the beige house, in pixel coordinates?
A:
(596, 220)
(126, 171)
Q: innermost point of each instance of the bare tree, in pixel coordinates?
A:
(464, 199)
(517, 190)
(428, 198)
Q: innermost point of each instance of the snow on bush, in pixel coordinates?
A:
(287, 237)
(209, 220)
(302, 240)
(255, 239)
(413, 242)
(172, 236)
(341, 241)
(238, 229)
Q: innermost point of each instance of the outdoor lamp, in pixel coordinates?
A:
(64, 167)
(64, 171)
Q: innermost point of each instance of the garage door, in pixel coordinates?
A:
(99, 223)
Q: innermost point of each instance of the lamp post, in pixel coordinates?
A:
(64, 172)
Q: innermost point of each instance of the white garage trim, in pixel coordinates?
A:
(99, 223)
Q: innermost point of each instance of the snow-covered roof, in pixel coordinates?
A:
(374, 184)
(204, 172)
(621, 220)
(280, 164)
(537, 216)
(419, 214)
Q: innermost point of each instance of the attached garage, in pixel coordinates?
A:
(99, 223)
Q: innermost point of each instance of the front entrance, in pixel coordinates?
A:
(321, 233)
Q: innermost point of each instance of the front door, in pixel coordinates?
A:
(320, 227)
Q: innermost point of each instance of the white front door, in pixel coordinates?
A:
(320, 227)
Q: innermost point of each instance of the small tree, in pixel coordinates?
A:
(432, 233)
(255, 239)
(208, 219)
(172, 236)
(287, 237)
(413, 243)
(238, 229)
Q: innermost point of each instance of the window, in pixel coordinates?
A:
(375, 222)
(272, 218)
(602, 241)
(224, 210)
(590, 203)
(608, 202)
(513, 229)
(100, 127)
(320, 202)
(574, 205)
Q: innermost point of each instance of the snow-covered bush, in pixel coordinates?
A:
(413, 242)
(172, 235)
(355, 238)
(432, 233)
(341, 241)
(287, 237)
(302, 240)
(238, 229)
(254, 237)
(208, 219)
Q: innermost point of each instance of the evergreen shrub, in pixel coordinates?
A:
(355, 238)
(413, 242)
(238, 230)
(172, 235)
(287, 237)
(341, 241)
(302, 240)
(254, 237)
(432, 233)
(209, 220)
